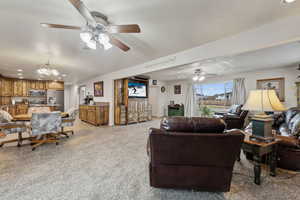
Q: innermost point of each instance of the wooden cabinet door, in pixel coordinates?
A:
(41, 85)
(24, 88)
(7, 88)
(17, 88)
(55, 85)
(91, 116)
(83, 113)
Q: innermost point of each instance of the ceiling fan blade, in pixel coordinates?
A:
(119, 44)
(129, 28)
(60, 26)
(83, 10)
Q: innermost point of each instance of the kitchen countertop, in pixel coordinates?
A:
(43, 105)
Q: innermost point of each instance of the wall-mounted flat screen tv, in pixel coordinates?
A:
(137, 90)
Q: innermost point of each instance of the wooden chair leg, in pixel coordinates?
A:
(45, 139)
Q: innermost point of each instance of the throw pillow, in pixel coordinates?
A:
(295, 125)
(5, 117)
(233, 109)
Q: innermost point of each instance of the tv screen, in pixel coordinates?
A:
(136, 89)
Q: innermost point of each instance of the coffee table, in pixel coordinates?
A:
(258, 150)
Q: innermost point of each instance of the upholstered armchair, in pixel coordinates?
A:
(69, 122)
(193, 153)
(7, 126)
(45, 127)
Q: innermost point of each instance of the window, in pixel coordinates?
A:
(214, 97)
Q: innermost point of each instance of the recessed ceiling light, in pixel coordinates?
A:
(20, 70)
(21, 77)
(64, 75)
(288, 1)
(20, 74)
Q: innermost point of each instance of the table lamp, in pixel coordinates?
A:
(263, 101)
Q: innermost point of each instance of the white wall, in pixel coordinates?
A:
(158, 99)
(289, 73)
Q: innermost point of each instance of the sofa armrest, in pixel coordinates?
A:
(231, 117)
(288, 141)
(153, 131)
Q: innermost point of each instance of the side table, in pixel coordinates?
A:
(258, 150)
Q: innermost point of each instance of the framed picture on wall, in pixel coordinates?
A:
(98, 89)
(276, 84)
(177, 89)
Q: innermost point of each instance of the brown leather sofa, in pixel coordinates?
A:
(288, 127)
(193, 153)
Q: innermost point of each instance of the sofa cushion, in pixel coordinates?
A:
(284, 130)
(290, 113)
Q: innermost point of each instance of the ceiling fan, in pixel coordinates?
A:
(200, 75)
(98, 30)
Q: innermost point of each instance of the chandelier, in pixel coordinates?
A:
(46, 70)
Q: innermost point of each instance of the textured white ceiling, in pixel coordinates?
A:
(168, 26)
(275, 57)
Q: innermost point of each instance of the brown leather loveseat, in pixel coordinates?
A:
(193, 153)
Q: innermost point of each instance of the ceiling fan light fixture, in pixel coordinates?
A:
(92, 44)
(104, 40)
(201, 78)
(288, 1)
(195, 78)
(86, 36)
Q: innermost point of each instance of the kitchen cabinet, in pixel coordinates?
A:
(55, 85)
(95, 114)
(5, 100)
(18, 88)
(7, 87)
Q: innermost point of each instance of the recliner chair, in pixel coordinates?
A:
(193, 153)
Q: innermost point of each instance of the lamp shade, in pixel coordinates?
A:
(263, 101)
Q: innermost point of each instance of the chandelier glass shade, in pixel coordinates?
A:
(86, 36)
(46, 70)
(198, 78)
(91, 40)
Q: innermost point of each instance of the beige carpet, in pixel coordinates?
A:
(110, 163)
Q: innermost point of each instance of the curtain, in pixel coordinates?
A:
(190, 101)
(238, 91)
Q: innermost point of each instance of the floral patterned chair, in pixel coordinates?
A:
(69, 122)
(7, 126)
(45, 127)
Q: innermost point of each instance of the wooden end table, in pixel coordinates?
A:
(258, 150)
